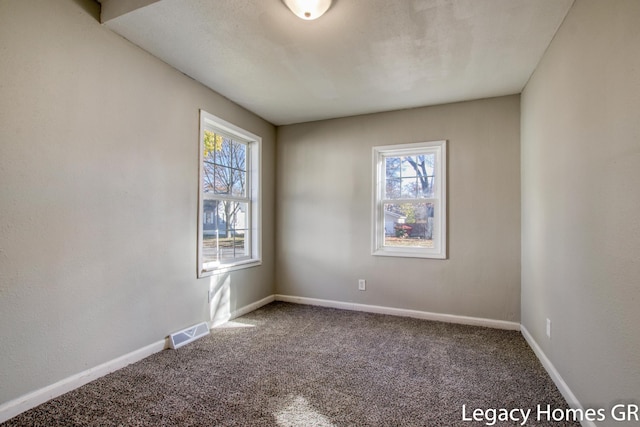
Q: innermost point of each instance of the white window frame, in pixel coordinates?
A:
(254, 195)
(439, 200)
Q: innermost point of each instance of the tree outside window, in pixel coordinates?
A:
(228, 229)
(409, 203)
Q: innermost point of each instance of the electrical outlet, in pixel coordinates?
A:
(362, 285)
(549, 328)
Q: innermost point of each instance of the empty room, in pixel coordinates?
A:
(320, 212)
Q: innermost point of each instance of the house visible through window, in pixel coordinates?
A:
(410, 200)
(229, 203)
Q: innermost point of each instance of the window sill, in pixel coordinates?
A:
(409, 254)
(226, 268)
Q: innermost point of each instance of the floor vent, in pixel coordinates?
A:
(185, 336)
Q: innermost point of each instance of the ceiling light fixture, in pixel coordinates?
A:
(308, 9)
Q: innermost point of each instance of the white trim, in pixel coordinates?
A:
(564, 389)
(226, 268)
(253, 195)
(235, 132)
(426, 315)
(439, 201)
(16, 406)
(253, 306)
(242, 311)
(21, 404)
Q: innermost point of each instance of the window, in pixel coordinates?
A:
(229, 197)
(410, 208)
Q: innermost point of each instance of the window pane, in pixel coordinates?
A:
(426, 189)
(393, 188)
(224, 229)
(234, 246)
(208, 171)
(409, 187)
(224, 165)
(238, 160)
(423, 166)
(392, 166)
(238, 180)
(409, 177)
(210, 229)
(410, 200)
(229, 195)
(393, 180)
(408, 225)
(219, 186)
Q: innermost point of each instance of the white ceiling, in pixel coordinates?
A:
(362, 56)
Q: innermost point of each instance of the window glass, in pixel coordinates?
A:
(410, 200)
(229, 229)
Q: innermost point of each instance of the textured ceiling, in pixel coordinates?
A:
(362, 56)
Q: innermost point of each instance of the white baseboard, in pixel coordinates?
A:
(242, 311)
(253, 306)
(564, 389)
(449, 318)
(14, 407)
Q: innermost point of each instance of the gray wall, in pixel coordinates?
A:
(581, 204)
(324, 181)
(98, 196)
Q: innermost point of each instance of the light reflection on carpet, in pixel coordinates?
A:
(300, 413)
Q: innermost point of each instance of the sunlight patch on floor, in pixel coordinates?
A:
(300, 413)
(232, 324)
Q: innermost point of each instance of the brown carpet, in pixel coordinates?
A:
(296, 365)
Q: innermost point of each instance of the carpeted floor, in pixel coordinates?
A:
(295, 365)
